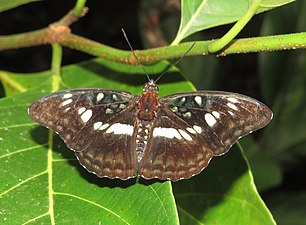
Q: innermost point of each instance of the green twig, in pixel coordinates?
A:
(60, 34)
(246, 45)
(79, 7)
(56, 66)
(268, 43)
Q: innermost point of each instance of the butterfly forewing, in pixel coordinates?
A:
(85, 120)
(218, 119)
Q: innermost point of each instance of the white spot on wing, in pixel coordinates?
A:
(198, 100)
(216, 114)
(185, 135)
(104, 126)
(100, 96)
(122, 106)
(233, 100)
(115, 97)
(86, 115)
(166, 132)
(174, 109)
(68, 95)
(210, 119)
(97, 125)
(187, 115)
(183, 100)
(66, 102)
(231, 113)
(232, 106)
(198, 129)
(109, 111)
(119, 128)
(81, 110)
(191, 130)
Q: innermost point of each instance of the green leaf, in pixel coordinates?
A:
(9, 4)
(271, 4)
(15, 83)
(197, 15)
(221, 193)
(44, 182)
(267, 172)
(42, 177)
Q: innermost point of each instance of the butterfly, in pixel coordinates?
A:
(117, 134)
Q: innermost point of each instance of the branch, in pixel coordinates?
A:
(60, 33)
(54, 33)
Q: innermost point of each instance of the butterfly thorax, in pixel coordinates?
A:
(147, 113)
(148, 102)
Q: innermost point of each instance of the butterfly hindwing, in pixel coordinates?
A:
(173, 153)
(111, 151)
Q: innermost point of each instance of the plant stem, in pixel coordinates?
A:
(78, 8)
(264, 44)
(149, 56)
(56, 66)
(62, 35)
(232, 33)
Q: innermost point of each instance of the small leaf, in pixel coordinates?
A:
(197, 15)
(9, 4)
(271, 4)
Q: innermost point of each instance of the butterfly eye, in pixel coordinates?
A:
(151, 86)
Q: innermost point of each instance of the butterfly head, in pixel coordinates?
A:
(151, 87)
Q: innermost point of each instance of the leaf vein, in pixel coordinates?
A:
(93, 203)
(22, 182)
(17, 126)
(35, 218)
(21, 150)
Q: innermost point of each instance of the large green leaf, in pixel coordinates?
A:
(41, 180)
(197, 15)
(223, 194)
(9, 4)
(43, 183)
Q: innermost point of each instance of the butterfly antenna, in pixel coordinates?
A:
(127, 40)
(173, 65)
